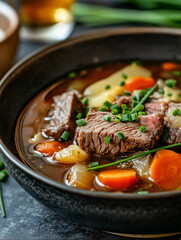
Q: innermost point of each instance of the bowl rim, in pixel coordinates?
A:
(12, 16)
(45, 50)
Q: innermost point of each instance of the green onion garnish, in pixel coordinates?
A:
(85, 101)
(107, 87)
(141, 113)
(94, 164)
(124, 76)
(171, 83)
(115, 107)
(107, 104)
(107, 118)
(124, 106)
(134, 98)
(120, 135)
(114, 112)
(142, 129)
(176, 112)
(118, 118)
(122, 83)
(127, 93)
(142, 192)
(87, 110)
(72, 75)
(79, 115)
(138, 62)
(134, 104)
(169, 94)
(65, 135)
(177, 73)
(143, 100)
(133, 157)
(2, 203)
(107, 139)
(103, 109)
(165, 135)
(81, 122)
(142, 93)
(1, 164)
(134, 117)
(161, 91)
(125, 117)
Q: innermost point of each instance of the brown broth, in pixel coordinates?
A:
(30, 120)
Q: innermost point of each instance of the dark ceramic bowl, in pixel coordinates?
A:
(123, 213)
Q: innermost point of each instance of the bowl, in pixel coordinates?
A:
(155, 213)
(9, 29)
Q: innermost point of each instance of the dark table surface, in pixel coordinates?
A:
(26, 218)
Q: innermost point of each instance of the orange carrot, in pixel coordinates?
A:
(118, 179)
(166, 169)
(170, 66)
(49, 147)
(138, 83)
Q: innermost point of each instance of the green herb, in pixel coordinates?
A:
(138, 62)
(180, 96)
(141, 113)
(81, 122)
(79, 115)
(2, 203)
(103, 109)
(165, 135)
(124, 106)
(161, 91)
(107, 118)
(107, 139)
(72, 75)
(179, 188)
(115, 107)
(176, 112)
(125, 117)
(107, 104)
(142, 93)
(94, 164)
(114, 112)
(176, 73)
(139, 108)
(126, 111)
(122, 83)
(85, 101)
(134, 117)
(135, 98)
(142, 192)
(169, 94)
(1, 164)
(3, 175)
(171, 83)
(124, 76)
(120, 135)
(65, 135)
(143, 100)
(133, 157)
(142, 129)
(107, 87)
(118, 118)
(127, 93)
(134, 104)
(87, 110)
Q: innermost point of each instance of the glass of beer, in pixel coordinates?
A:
(46, 19)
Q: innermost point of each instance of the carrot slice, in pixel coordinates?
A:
(49, 147)
(170, 66)
(166, 169)
(118, 179)
(139, 83)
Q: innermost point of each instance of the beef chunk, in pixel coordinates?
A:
(62, 115)
(91, 137)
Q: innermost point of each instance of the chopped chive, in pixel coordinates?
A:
(79, 115)
(125, 117)
(134, 117)
(3, 174)
(138, 62)
(107, 104)
(177, 73)
(72, 75)
(122, 83)
(116, 107)
(165, 135)
(94, 164)
(81, 122)
(176, 112)
(124, 76)
(134, 98)
(65, 135)
(142, 93)
(127, 93)
(135, 156)
(139, 108)
(118, 118)
(171, 83)
(87, 110)
(103, 109)
(124, 106)
(142, 192)
(141, 113)
(120, 135)
(1, 164)
(107, 139)
(161, 91)
(134, 104)
(85, 101)
(179, 188)
(180, 96)
(2, 203)
(114, 112)
(107, 118)
(142, 129)
(107, 87)
(126, 111)
(169, 94)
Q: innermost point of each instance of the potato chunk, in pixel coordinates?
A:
(79, 177)
(71, 155)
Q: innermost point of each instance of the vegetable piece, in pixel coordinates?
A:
(120, 135)
(107, 87)
(176, 112)
(71, 155)
(114, 112)
(122, 83)
(65, 136)
(2, 203)
(79, 177)
(107, 140)
(3, 174)
(85, 101)
(176, 73)
(161, 91)
(139, 83)
(142, 129)
(118, 179)
(103, 109)
(141, 192)
(79, 115)
(81, 122)
(124, 76)
(94, 164)
(107, 118)
(127, 93)
(107, 104)
(49, 147)
(135, 156)
(1, 163)
(116, 107)
(169, 94)
(171, 83)
(170, 66)
(166, 169)
(71, 75)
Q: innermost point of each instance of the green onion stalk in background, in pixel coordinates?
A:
(164, 13)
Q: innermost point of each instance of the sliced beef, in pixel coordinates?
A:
(91, 137)
(62, 115)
